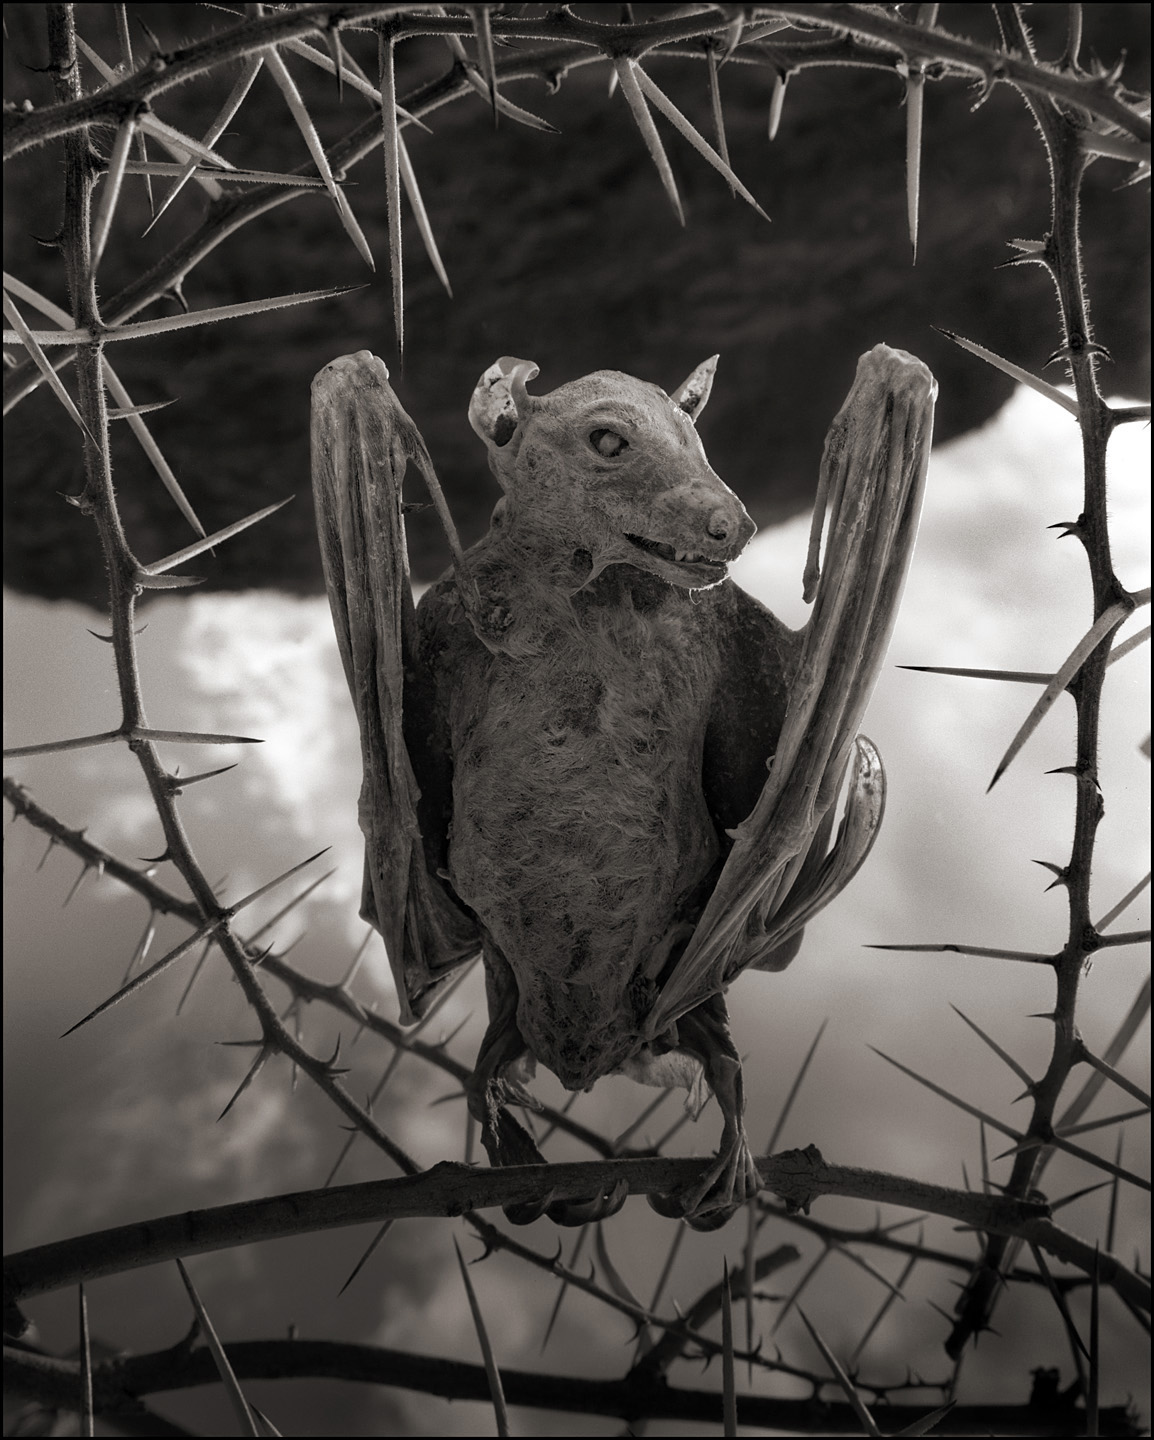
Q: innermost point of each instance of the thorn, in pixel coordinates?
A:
(1029, 247)
(484, 37)
(1017, 677)
(143, 581)
(915, 98)
(1023, 260)
(733, 32)
(76, 886)
(1078, 1194)
(206, 930)
(330, 1065)
(1114, 74)
(1074, 349)
(333, 40)
(280, 879)
(151, 38)
(146, 574)
(177, 787)
(1067, 528)
(777, 103)
(254, 1070)
(1060, 872)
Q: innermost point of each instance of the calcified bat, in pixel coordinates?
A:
(566, 743)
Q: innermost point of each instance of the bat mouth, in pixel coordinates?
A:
(679, 565)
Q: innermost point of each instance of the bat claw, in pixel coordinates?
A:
(569, 1212)
(711, 1202)
(597, 1207)
(524, 1212)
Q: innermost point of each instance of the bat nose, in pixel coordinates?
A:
(729, 524)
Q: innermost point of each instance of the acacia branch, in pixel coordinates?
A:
(96, 857)
(568, 43)
(98, 500)
(452, 1189)
(118, 1384)
(163, 71)
(1062, 135)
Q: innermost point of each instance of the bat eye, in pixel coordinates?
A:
(608, 442)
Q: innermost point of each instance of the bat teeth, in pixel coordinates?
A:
(671, 553)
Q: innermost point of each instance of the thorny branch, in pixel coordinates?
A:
(98, 500)
(119, 1383)
(1063, 131)
(787, 56)
(450, 1188)
(23, 128)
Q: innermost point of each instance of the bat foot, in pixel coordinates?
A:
(711, 1202)
(507, 1142)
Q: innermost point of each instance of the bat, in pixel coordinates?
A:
(588, 754)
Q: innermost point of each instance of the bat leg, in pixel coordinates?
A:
(732, 1178)
(495, 1082)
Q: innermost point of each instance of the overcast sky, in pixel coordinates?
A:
(118, 1121)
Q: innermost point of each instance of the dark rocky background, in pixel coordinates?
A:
(563, 249)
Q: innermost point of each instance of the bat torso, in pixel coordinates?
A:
(580, 833)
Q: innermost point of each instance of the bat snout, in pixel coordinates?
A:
(728, 525)
(716, 526)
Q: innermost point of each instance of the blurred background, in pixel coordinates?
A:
(562, 248)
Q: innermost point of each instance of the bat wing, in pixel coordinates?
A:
(778, 873)
(362, 442)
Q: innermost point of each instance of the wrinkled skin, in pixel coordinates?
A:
(560, 742)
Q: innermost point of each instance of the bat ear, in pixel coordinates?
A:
(695, 392)
(499, 402)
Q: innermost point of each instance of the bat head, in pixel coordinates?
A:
(611, 467)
